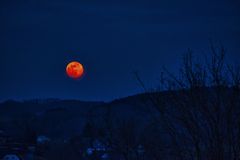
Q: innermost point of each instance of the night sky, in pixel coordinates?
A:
(110, 38)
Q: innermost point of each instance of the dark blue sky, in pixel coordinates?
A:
(111, 38)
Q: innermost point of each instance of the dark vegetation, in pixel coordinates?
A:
(193, 116)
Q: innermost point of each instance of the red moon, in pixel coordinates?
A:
(74, 70)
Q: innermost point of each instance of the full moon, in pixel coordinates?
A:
(74, 70)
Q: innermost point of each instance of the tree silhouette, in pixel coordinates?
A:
(201, 109)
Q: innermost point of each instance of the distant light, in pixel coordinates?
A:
(90, 151)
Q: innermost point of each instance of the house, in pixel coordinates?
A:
(11, 157)
(42, 139)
